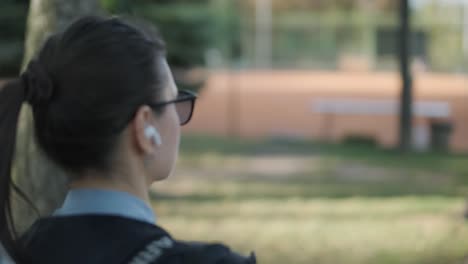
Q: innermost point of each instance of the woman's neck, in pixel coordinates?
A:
(113, 182)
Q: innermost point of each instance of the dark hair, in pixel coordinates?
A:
(84, 87)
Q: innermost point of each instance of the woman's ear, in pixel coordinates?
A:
(139, 126)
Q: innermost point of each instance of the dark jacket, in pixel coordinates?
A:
(94, 239)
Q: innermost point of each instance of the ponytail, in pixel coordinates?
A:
(36, 88)
(11, 99)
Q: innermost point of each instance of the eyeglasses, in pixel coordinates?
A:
(184, 103)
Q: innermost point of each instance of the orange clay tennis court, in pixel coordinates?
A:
(329, 106)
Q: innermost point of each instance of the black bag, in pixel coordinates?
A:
(164, 250)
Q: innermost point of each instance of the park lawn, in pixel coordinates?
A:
(304, 202)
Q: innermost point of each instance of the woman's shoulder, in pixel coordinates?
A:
(90, 230)
(103, 238)
(111, 239)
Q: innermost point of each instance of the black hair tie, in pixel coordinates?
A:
(38, 87)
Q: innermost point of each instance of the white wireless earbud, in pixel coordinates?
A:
(152, 133)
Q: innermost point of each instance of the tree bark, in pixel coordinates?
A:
(42, 181)
(406, 100)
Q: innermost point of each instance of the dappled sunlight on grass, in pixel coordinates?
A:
(304, 202)
(357, 230)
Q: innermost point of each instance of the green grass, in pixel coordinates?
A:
(305, 202)
(457, 164)
(356, 230)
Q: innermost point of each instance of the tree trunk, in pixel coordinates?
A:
(42, 181)
(406, 93)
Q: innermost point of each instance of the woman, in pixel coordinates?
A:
(105, 109)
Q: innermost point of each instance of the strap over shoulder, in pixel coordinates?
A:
(167, 251)
(152, 251)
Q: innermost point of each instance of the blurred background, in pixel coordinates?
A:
(297, 147)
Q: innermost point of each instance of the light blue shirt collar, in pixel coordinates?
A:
(106, 202)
